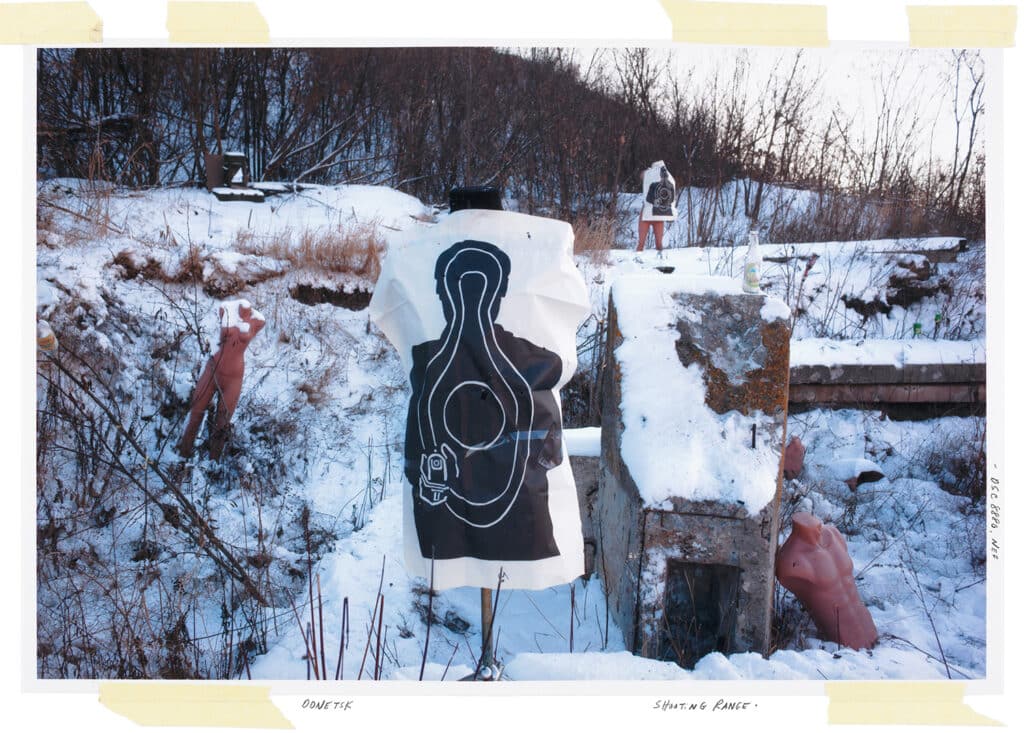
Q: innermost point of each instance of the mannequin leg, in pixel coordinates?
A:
(200, 400)
(659, 233)
(644, 228)
(228, 393)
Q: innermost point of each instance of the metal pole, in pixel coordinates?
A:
(486, 629)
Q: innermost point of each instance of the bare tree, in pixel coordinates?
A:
(968, 79)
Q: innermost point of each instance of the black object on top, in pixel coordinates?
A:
(474, 197)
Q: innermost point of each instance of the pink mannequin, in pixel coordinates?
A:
(814, 564)
(223, 374)
(645, 226)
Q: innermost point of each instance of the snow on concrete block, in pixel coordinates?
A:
(583, 441)
(696, 361)
(692, 442)
(225, 193)
(818, 352)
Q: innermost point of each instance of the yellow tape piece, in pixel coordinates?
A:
(58, 24)
(901, 703)
(747, 24)
(962, 26)
(216, 22)
(213, 705)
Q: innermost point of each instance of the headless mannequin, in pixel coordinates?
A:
(658, 225)
(815, 565)
(222, 375)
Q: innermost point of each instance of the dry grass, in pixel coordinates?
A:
(317, 389)
(594, 238)
(354, 249)
(91, 220)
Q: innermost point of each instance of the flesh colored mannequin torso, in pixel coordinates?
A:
(814, 564)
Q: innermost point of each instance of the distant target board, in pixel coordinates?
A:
(484, 313)
(659, 189)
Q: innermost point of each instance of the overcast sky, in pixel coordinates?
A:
(850, 77)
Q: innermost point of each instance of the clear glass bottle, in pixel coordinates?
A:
(752, 266)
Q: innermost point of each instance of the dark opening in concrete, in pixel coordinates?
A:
(701, 604)
(310, 295)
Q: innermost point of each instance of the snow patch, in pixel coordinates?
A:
(775, 310)
(833, 352)
(231, 314)
(249, 193)
(583, 441)
(679, 447)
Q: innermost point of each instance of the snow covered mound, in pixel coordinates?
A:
(782, 665)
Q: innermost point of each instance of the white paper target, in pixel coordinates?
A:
(659, 192)
(483, 309)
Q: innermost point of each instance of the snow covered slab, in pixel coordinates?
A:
(225, 193)
(673, 443)
(275, 187)
(879, 370)
(584, 442)
(935, 249)
(897, 353)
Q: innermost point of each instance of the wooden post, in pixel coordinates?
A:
(486, 630)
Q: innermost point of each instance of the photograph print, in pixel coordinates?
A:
(360, 363)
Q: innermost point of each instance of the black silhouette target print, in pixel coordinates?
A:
(661, 195)
(484, 427)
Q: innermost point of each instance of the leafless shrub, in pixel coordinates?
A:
(958, 461)
(317, 388)
(963, 302)
(791, 624)
(581, 396)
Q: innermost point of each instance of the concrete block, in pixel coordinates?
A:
(687, 577)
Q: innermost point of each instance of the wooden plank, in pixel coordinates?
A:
(860, 394)
(924, 374)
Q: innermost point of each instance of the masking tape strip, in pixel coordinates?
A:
(962, 26)
(206, 704)
(747, 24)
(222, 23)
(901, 703)
(45, 24)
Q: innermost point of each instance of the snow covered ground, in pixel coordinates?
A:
(312, 479)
